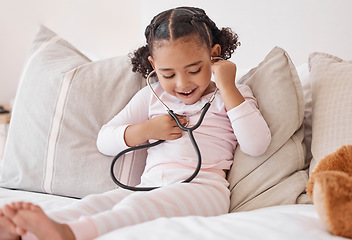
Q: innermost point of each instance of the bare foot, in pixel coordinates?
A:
(31, 218)
(7, 228)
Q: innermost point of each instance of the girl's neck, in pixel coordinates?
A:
(211, 88)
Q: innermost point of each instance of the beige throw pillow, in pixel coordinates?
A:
(278, 176)
(62, 101)
(331, 81)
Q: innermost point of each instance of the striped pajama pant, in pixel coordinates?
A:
(95, 215)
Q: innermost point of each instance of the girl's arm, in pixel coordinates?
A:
(250, 128)
(111, 138)
(132, 126)
(224, 76)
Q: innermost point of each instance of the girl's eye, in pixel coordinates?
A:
(168, 77)
(195, 72)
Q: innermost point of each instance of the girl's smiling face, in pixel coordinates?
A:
(183, 67)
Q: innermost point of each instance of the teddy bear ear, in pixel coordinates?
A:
(340, 160)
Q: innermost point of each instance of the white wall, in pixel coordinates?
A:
(99, 28)
(106, 28)
(298, 26)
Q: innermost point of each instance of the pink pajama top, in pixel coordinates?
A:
(217, 136)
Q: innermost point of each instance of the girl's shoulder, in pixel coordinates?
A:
(245, 90)
(145, 91)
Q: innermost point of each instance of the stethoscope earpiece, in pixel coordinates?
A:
(216, 58)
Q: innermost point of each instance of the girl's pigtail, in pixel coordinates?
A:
(140, 62)
(228, 40)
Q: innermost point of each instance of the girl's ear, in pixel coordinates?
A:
(150, 59)
(215, 50)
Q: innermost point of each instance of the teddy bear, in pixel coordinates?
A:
(330, 188)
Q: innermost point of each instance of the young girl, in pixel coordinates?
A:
(180, 45)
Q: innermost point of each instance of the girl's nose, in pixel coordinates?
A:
(182, 82)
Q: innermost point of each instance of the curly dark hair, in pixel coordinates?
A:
(180, 22)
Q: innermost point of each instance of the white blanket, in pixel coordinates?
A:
(46, 201)
(286, 222)
(280, 222)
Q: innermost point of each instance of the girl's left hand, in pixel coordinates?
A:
(224, 72)
(224, 76)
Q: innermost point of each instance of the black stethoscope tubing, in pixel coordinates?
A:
(193, 141)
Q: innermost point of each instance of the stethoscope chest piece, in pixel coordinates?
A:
(184, 116)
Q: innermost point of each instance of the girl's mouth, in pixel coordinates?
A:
(188, 93)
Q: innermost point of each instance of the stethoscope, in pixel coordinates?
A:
(189, 130)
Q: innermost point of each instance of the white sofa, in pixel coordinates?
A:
(64, 98)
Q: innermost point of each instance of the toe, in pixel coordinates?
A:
(20, 231)
(9, 211)
(27, 206)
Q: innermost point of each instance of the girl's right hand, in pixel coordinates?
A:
(164, 127)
